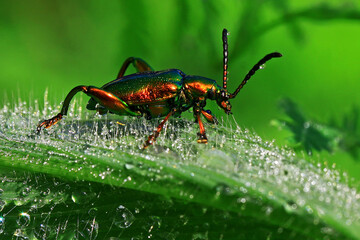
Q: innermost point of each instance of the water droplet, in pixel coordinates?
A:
(82, 196)
(45, 193)
(2, 224)
(268, 210)
(262, 66)
(241, 200)
(92, 212)
(123, 217)
(19, 202)
(23, 220)
(25, 192)
(309, 209)
(129, 166)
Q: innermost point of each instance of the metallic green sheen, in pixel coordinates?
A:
(145, 88)
(130, 87)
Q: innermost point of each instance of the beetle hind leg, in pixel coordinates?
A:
(49, 122)
(52, 121)
(139, 64)
(108, 100)
(152, 138)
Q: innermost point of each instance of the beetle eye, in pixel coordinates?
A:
(223, 94)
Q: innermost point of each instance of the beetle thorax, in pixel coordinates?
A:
(197, 87)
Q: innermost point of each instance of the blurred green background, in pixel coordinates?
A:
(57, 45)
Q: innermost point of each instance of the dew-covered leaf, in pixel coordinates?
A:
(89, 179)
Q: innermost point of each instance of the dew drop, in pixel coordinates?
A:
(2, 224)
(129, 166)
(123, 217)
(92, 212)
(23, 219)
(309, 209)
(268, 210)
(45, 192)
(81, 197)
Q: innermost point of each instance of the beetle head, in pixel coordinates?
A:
(222, 100)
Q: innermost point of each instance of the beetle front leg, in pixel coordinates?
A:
(152, 137)
(202, 135)
(209, 117)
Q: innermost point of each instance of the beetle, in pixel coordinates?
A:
(155, 94)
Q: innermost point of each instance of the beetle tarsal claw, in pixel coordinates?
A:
(122, 124)
(202, 138)
(50, 122)
(149, 141)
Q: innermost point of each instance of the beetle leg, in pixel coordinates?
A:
(49, 122)
(139, 64)
(152, 137)
(106, 99)
(101, 110)
(201, 134)
(209, 117)
(52, 121)
(110, 101)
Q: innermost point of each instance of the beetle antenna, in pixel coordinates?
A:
(225, 52)
(254, 69)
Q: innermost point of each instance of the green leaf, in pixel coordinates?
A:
(309, 134)
(89, 179)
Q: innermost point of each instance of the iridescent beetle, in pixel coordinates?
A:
(154, 94)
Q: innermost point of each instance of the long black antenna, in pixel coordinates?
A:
(254, 69)
(225, 51)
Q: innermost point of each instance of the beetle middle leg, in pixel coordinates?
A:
(106, 99)
(139, 64)
(197, 114)
(152, 138)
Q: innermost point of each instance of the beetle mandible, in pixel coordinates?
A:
(153, 94)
